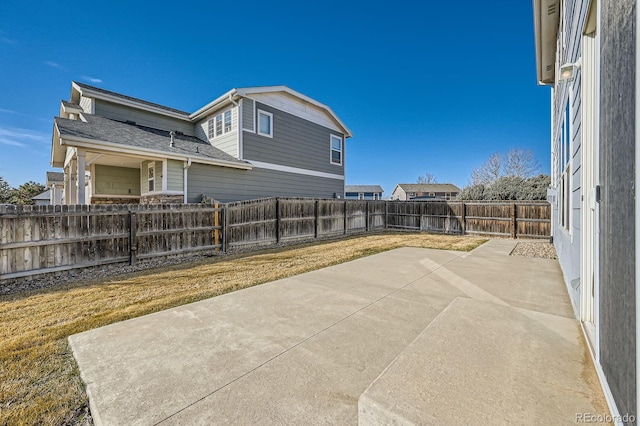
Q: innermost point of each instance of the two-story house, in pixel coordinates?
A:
(248, 143)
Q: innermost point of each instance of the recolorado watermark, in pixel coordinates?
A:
(604, 418)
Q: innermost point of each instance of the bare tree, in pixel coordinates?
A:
(427, 178)
(520, 163)
(489, 172)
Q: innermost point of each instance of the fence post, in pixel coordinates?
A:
(366, 216)
(345, 217)
(216, 223)
(463, 223)
(225, 229)
(421, 212)
(133, 241)
(514, 221)
(277, 220)
(316, 209)
(386, 214)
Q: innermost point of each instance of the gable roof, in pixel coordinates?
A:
(92, 91)
(46, 195)
(96, 131)
(363, 188)
(80, 89)
(428, 187)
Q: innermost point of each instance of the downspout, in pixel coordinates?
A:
(185, 168)
(239, 124)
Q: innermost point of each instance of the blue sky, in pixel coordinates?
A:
(425, 87)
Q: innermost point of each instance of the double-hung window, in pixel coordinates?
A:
(336, 150)
(265, 123)
(220, 124)
(151, 173)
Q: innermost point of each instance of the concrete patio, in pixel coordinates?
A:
(410, 336)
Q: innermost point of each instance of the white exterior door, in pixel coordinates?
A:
(589, 208)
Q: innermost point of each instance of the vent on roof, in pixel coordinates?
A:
(172, 135)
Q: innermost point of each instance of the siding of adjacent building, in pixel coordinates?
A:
(617, 207)
(227, 142)
(144, 118)
(296, 143)
(110, 180)
(226, 184)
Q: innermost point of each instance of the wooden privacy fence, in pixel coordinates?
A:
(41, 239)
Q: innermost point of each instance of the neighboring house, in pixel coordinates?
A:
(43, 199)
(55, 183)
(248, 143)
(425, 191)
(363, 192)
(586, 50)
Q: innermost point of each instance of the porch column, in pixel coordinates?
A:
(66, 187)
(81, 155)
(73, 182)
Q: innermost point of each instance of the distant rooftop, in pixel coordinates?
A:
(363, 188)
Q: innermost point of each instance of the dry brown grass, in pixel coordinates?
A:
(39, 381)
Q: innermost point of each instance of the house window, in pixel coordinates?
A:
(265, 123)
(227, 121)
(151, 174)
(336, 150)
(220, 124)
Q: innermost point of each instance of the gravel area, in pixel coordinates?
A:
(539, 249)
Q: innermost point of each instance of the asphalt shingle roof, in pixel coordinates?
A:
(131, 98)
(429, 187)
(102, 129)
(363, 188)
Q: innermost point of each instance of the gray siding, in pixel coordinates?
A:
(296, 142)
(248, 114)
(227, 142)
(567, 241)
(226, 184)
(149, 119)
(617, 208)
(109, 180)
(175, 175)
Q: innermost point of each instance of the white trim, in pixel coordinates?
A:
(270, 115)
(159, 155)
(165, 174)
(240, 113)
(185, 180)
(281, 168)
(132, 197)
(151, 166)
(331, 136)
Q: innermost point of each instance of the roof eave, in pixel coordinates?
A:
(117, 148)
(85, 91)
(546, 19)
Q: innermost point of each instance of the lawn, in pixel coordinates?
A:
(39, 379)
